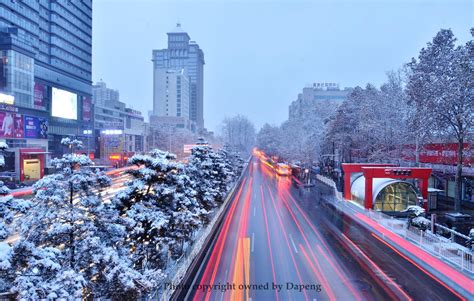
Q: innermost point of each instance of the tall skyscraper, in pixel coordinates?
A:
(45, 75)
(171, 91)
(182, 53)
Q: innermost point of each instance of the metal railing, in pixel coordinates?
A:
(444, 248)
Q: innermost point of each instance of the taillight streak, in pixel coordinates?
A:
(286, 240)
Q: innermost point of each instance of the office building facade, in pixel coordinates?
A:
(182, 54)
(45, 78)
(171, 98)
(118, 131)
(328, 93)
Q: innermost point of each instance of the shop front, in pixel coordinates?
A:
(32, 163)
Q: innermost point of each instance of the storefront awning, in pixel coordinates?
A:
(35, 153)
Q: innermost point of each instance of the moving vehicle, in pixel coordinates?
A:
(283, 169)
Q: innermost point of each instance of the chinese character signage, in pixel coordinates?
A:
(36, 127)
(11, 125)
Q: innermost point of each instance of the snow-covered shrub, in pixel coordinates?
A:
(470, 241)
(421, 222)
(414, 211)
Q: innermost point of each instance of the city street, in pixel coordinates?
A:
(276, 244)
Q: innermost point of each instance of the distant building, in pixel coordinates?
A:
(103, 95)
(171, 98)
(134, 131)
(118, 130)
(45, 79)
(109, 111)
(182, 53)
(329, 93)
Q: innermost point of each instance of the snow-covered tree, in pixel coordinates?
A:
(234, 163)
(70, 241)
(9, 206)
(441, 85)
(268, 139)
(160, 210)
(239, 133)
(361, 124)
(170, 138)
(209, 174)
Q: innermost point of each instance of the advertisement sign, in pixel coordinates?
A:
(439, 153)
(11, 125)
(86, 108)
(187, 148)
(7, 99)
(64, 104)
(36, 127)
(39, 95)
(10, 108)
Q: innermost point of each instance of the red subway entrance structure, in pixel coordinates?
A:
(378, 171)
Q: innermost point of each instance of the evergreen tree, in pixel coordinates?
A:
(159, 209)
(70, 242)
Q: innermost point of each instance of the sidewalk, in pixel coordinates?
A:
(455, 274)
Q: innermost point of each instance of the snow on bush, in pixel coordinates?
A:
(421, 222)
(415, 210)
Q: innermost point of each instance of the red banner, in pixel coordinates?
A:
(440, 153)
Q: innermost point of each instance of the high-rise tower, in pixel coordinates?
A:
(182, 54)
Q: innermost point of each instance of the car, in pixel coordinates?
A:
(283, 169)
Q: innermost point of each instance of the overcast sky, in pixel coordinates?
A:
(260, 54)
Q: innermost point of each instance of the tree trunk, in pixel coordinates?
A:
(458, 179)
(71, 233)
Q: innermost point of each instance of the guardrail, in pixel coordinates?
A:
(444, 248)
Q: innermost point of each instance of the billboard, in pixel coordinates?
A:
(64, 104)
(187, 148)
(36, 127)
(11, 125)
(86, 108)
(7, 99)
(39, 95)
